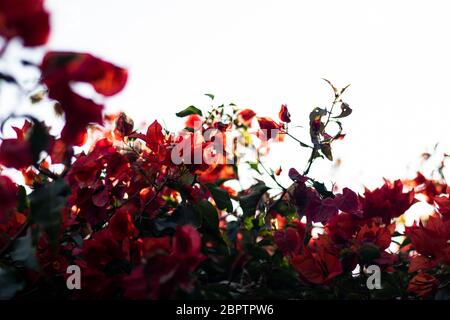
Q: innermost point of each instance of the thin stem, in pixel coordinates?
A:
(299, 141)
(272, 176)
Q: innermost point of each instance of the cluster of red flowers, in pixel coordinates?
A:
(141, 225)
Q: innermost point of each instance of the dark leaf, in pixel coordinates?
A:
(188, 111)
(250, 201)
(22, 202)
(326, 150)
(221, 197)
(209, 216)
(46, 203)
(211, 96)
(345, 111)
(8, 78)
(322, 190)
(39, 139)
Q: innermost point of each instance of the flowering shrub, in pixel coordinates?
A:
(152, 214)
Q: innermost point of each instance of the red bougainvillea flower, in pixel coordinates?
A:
(429, 188)
(246, 116)
(8, 197)
(321, 210)
(26, 19)
(167, 268)
(387, 202)
(374, 234)
(423, 285)
(284, 114)
(288, 241)
(348, 201)
(317, 268)
(194, 121)
(443, 206)
(342, 228)
(121, 225)
(155, 139)
(187, 242)
(16, 153)
(431, 242)
(269, 128)
(61, 69)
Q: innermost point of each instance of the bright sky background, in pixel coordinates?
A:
(260, 54)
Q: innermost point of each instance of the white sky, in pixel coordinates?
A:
(260, 54)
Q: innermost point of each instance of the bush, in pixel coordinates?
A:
(153, 215)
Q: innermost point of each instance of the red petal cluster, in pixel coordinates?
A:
(62, 69)
(387, 202)
(26, 19)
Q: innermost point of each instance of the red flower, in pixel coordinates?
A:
(284, 114)
(288, 241)
(349, 202)
(423, 285)
(269, 128)
(16, 153)
(428, 188)
(431, 240)
(60, 69)
(246, 116)
(121, 225)
(154, 138)
(341, 228)
(187, 242)
(194, 121)
(101, 250)
(374, 234)
(387, 202)
(26, 19)
(8, 197)
(321, 210)
(317, 268)
(443, 207)
(166, 268)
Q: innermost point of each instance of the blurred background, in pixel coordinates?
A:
(260, 54)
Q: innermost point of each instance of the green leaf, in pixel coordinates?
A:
(285, 208)
(345, 111)
(211, 96)
(39, 140)
(22, 202)
(368, 252)
(188, 111)
(326, 150)
(322, 189)
(250, 201)
(254, 166)
(209, 216)
(182, 216)
(221, 197)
